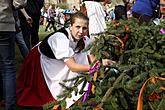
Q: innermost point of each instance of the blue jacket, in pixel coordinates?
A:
(145, 7)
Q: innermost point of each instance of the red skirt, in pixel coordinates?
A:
(32, 90)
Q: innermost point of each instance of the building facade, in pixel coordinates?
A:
(70, 3)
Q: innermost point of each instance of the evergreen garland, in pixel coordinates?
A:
(139, 51)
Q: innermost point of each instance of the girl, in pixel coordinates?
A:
(58, 57)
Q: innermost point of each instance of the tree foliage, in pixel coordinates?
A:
(139, 52)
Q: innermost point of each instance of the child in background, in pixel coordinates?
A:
(67, 15)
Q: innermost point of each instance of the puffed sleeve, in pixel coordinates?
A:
(59, 43)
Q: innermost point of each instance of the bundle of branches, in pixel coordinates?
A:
(139, 52)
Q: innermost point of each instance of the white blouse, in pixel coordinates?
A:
(55, 70)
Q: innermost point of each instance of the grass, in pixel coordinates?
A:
(42, 32)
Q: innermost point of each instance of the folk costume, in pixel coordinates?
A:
(44, 68)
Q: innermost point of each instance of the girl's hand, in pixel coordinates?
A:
(95, 67)
(106, 62)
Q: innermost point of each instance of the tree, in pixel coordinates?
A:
(139, 51)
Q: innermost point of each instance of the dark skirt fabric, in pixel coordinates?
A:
(32, 90)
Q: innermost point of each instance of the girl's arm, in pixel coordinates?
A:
(75, 67)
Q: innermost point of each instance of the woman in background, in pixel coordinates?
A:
(96, 15)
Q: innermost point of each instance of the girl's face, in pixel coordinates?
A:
(79, 28)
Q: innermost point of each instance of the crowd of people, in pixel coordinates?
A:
(55, 17)
(59, 55)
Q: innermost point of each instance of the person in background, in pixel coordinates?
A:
(50, 18)
(143, 10)
(121, 9)
(57, 14)
(83, 8)
(7, 54)
(129, 9)
(27, 24)
(42, 16)
(162, 8)
(96, 16)
(111, 14)
(19, 36)
(30, 30)
(45, 18)
(67, 15)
